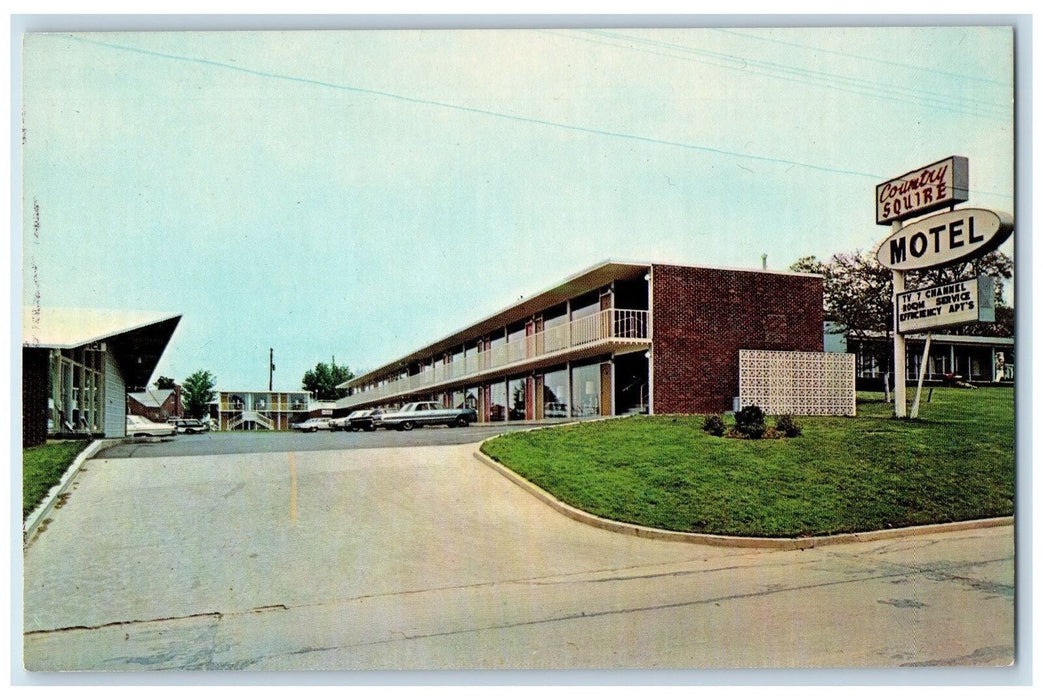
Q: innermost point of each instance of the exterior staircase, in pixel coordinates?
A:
(251, 416)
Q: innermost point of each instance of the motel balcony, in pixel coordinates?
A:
(608, 331)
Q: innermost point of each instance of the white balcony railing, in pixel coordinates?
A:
(607, 325)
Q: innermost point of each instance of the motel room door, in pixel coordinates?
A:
(606, 389)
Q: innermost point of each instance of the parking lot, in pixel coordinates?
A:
(258, 441)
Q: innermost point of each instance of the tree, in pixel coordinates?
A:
(857, 296)
(322, 381)
(165, 383)
(995, 264)
(197, 392)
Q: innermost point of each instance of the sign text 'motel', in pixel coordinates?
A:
(932, 187)
(950, 304)
(945, 239)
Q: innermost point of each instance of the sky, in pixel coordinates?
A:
(355, 195)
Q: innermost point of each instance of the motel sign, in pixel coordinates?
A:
(932, 187)
(950, 304)
(946, 238)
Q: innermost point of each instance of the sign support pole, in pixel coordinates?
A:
(915, 411)
(898, 285)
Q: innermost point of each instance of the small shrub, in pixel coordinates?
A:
(787, 426)
(750, 422)
(714, 425)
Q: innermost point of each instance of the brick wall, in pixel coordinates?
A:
(35, 390)
(702, 318)
(170, 408)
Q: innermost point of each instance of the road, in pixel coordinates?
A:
(423, 558)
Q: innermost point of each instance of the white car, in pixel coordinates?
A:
(190, 425)
(140, 426)
(312, 424)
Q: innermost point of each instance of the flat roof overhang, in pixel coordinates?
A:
(944, 338)
(592, 278)
(614, 346)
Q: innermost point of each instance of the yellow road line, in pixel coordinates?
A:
(293, 489)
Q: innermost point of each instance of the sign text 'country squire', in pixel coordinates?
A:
(928, 189)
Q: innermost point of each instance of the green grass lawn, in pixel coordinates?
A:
(42, 468)
(956, 462)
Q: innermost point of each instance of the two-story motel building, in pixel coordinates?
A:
(617, 338)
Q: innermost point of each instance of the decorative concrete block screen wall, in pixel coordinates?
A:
(800, 383)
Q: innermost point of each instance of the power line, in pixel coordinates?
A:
(804, 76)
(863, 58)
(476, 110)
(743, 66)
(822, 75)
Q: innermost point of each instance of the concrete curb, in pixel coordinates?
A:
(32, 523)
(779, 543)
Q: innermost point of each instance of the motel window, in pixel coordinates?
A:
(586, 305)
(471, 398)
(498, 401)
(516, 332)
(912, 365)
(77, 391)
(555, 394)
(555, 330)
(497, 350)
(516, 342)
(586, 391)
(516, 396)
(555, 316)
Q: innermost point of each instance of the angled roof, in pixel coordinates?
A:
(136, 339)
(66, 328)
(151, 398)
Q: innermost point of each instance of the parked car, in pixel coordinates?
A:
(344, 422)
(421, 413)
(191, 426)
(369, 420)
(140, 426)
(360, 420)
(312, 424)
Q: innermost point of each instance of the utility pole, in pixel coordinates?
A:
(271, 366)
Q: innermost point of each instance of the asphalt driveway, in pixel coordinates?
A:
(423, 558)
